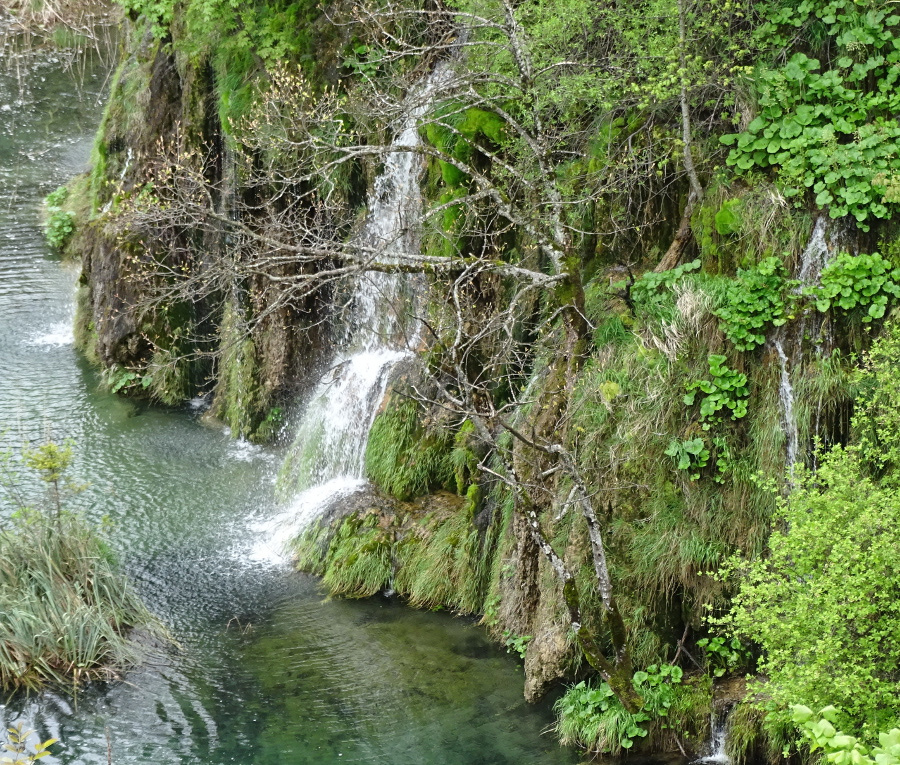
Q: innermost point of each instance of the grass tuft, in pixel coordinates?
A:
(65, 609)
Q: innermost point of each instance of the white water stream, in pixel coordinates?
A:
(816, 256)
(716, 752)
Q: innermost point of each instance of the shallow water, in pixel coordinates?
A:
(266, 671)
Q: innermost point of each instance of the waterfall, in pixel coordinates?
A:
(786, 397)
(715, 749)
(327, 459)
(815, 257)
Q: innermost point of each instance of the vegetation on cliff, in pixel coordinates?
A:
(658, 239)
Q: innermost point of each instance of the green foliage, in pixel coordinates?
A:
(402, 458)
(723, 656)
(594, 718)
(51, 460)
(828, 124)
(857, 281)
(876, 421)
(443, 564)
(690, 455)
(839, 748)
(57, 198)
(24, 752)
(516, 643)
(271, 425)
(823, 605)
(753, 302)
(728, 219)
(651, 287)
(727, 390)
(364, 61)
(158, 13)
(60, 223)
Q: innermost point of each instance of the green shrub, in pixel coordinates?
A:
(824, 604)
(857, 281)
(753, 302)
(652, 288)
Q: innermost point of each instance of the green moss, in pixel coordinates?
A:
(436, 560)
(239, 398)
(444, 567)
(404, 459)
(84, 330)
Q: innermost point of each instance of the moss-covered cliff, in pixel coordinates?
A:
(658, 243)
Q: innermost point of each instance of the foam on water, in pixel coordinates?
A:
(273, 535)
(58, 334)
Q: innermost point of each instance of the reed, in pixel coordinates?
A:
(65, 608)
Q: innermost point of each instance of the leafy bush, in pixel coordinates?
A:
(727, 390)
(828, 125)
(594, 718)
(839, 748)
(60, 224)
(754, 301)
(858, 281)
(876, 419)
(824, 605)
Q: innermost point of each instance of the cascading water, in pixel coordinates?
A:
(716, 754)
(815, 257)
(326, 461)
(786, 397)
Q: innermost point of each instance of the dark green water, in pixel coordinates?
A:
(266, 671)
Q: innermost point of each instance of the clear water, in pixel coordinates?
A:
(266, 670)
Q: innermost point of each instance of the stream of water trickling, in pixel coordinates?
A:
(265, 672)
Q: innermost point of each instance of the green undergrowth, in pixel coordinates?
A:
(433, 559)
(404, 458)
(590, 716)
(67, 609)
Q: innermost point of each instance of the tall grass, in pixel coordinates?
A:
(65, 609)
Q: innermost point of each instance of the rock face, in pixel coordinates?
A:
(265, 349)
